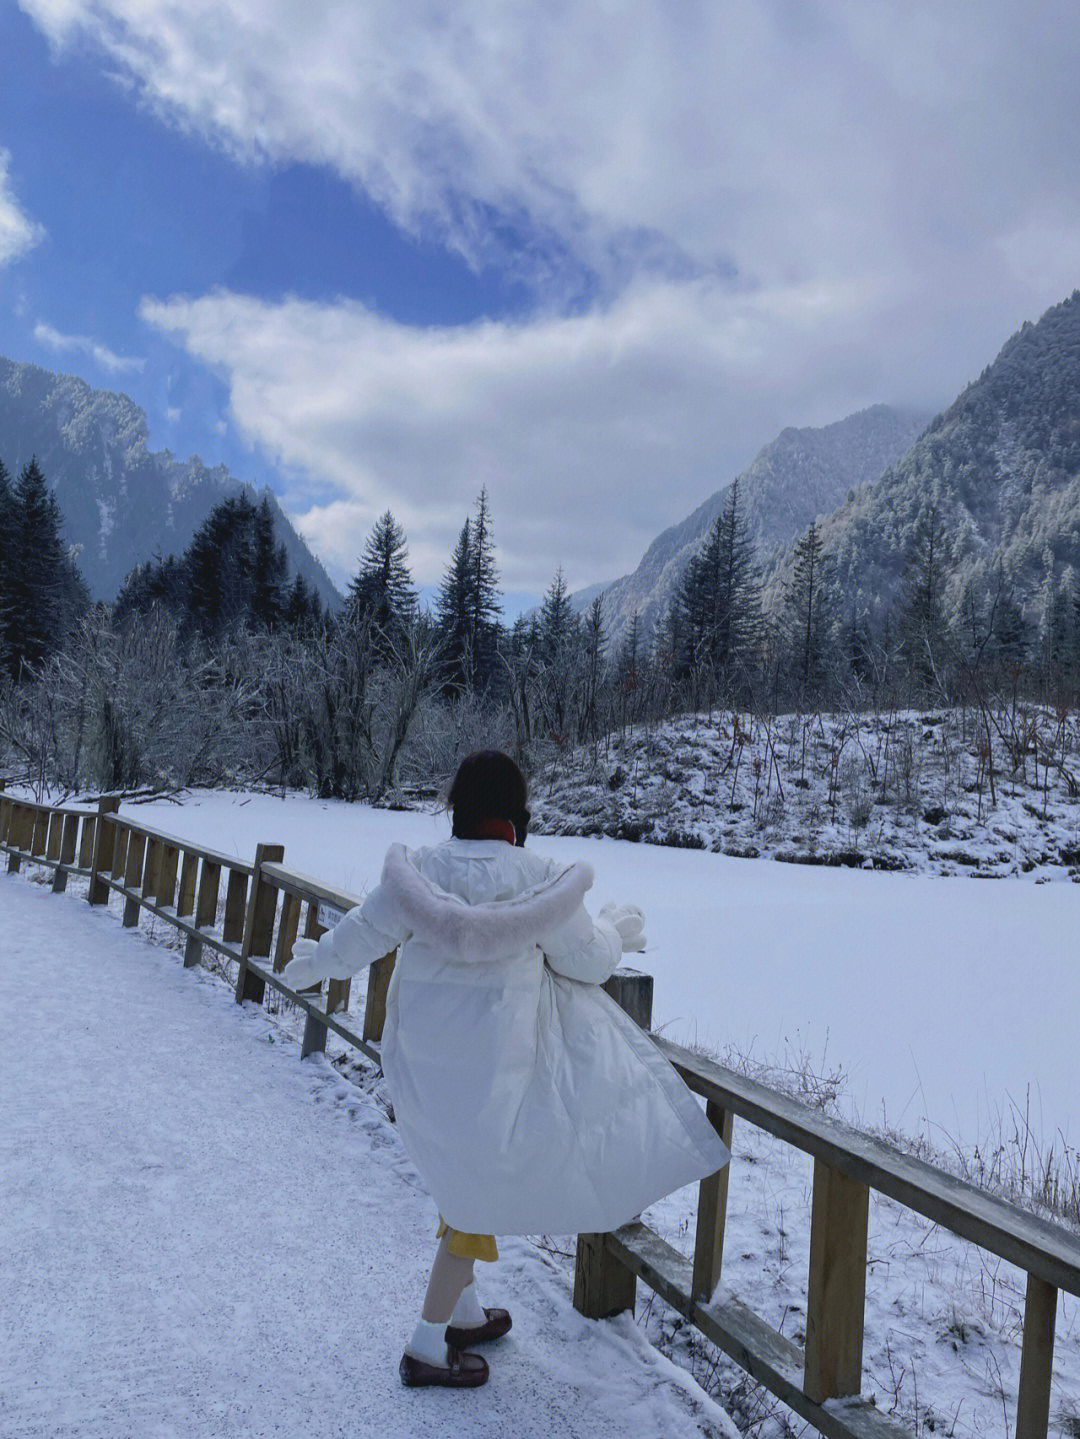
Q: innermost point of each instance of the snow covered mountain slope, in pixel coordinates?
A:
(800, 475)
(122, 503)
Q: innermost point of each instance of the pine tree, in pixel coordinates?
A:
(382, 588)
(595, 639)
(718, 619)
(7, 552)
(468, 606)
(454, 614)
(484, 598)
(923, 630)
(806, 610)
(39, 576)
(557, 619)
(269, 570)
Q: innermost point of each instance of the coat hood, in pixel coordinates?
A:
(463, 931)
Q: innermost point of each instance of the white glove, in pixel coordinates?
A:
(629, 924)
(302, 970)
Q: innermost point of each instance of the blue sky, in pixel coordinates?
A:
(381, 257)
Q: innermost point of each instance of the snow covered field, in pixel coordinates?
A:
(203, 1237)
(177, 1105)
(951, 1007)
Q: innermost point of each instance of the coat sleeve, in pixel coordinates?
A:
(361, 937)
(583, 948)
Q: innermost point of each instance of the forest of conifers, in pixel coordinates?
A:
(213, 668)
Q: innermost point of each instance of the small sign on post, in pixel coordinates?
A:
(329, 915)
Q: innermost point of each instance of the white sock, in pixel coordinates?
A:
(468, 1311)
(429, 1344)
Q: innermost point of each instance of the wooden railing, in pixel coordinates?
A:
(253, 924)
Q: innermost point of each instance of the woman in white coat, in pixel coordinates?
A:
(528, 1101)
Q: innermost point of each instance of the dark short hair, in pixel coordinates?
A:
(488, 785)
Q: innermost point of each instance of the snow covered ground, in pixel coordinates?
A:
(951, 1007)
(204, 1237)
(941, 1000)
(952, 791)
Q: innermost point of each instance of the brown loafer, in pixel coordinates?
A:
(497, 1324)
(465, 1371)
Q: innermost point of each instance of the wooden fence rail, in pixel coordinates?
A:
(265, 906)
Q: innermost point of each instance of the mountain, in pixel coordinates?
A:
(121, 501)
(1001, 469)
(800, 475)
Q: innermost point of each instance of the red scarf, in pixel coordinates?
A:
(494, 829)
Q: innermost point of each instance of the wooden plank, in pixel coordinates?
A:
(768, 1356)
(166, 875)
(189, 869)
(287, 929)
(305, 887)
(314, 1040)
(1031, 1243)
(836, 1293)
(54, 823)
(69, 838)
(1037, 1363)
(86, 841)
(102, 856)
(121, 835)
(235, 906)
(39, 842)
(151, 862)
(226, 861)
(379, 976)
(258, 925)
(712, 1212)
(133, 874)
(207, 903)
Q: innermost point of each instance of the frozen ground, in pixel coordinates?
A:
(204, 1237)
(950, 1006)
(952, 791)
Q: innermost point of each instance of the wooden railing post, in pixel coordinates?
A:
(379, 976)
(258, 924)
(1037, 1361)
(103, 848)
(712, 1212)
(603, 1286)
(836, 1294)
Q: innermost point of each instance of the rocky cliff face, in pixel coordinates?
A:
(122, 502)
(802, 474)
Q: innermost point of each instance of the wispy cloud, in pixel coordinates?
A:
(18, 233)
(86, 345)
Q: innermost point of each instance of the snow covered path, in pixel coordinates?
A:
(204, 1237)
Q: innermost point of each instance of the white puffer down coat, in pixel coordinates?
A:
(527, 1099)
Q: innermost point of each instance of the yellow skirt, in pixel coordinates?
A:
(468, 1246)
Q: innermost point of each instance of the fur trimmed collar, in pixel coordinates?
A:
(463, 931)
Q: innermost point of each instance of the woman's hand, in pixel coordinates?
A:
(628, 921)
(302, 970)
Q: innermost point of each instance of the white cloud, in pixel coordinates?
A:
(591, 432)
(86, 345)
(18, 233)
(786, 210)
